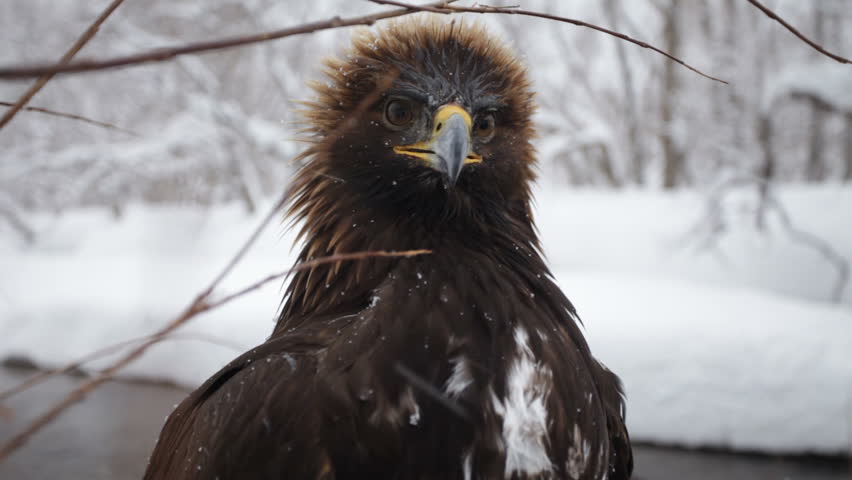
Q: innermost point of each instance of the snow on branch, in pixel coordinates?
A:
(827, 83)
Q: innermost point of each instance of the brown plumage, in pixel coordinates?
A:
(466, 363)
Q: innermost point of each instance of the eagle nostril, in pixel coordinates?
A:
(438, 128)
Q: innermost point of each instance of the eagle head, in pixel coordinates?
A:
(421, 140)
(424, 114)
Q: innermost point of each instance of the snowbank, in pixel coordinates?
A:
(648, 233)
(727, 347)
(707, 366)
(825, 80)
(92, 282)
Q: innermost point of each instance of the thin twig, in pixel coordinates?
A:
(774, 16)
(46, 76)
(345, 125)
(72, 116)
(43, 375)
(341, 257)
(485, 5)
(163, 54)
(448, 9)
(200, 302)
(713, 224)
(430, 390)
(829, 253)
(22, 227)
(198, 306)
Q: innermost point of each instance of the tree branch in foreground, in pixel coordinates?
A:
(774, 16)
(201, 304)
(163, 54)
(198, 306)
(46, 76)
(43, 375)
(72, 116)
(449, 9)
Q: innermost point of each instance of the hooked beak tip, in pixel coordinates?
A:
(452, 147)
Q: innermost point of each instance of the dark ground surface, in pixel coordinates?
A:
(109, 435)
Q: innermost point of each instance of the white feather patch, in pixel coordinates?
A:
(578, 454)
(414, 418)
(467, 465)
(460, 379)
(524, 411)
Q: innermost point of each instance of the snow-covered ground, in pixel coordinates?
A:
(731, 346)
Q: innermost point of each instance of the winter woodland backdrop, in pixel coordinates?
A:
(703, 230)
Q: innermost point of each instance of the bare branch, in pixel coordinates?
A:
(73, 116)
(448, 9)
(342, 257)
(769, 13)
(200, 304)
(46, 76)
(713, 225)
(43, 375)
(829, 253)
(163, 54)
(20, 226)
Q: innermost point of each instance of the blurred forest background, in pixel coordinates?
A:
(219, 127)
(702, 229)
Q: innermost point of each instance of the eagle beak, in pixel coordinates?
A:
(449, 147)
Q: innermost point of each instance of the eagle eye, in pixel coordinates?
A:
(399, 113)
(484, 126)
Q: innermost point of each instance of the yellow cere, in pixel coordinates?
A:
(441, 116)
(445, 112)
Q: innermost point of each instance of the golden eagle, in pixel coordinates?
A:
(468, 363)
